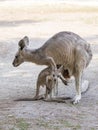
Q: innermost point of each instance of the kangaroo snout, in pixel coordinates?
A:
(14, 64)
(55, 79)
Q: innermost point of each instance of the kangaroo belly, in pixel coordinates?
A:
(62, 48)
(62, 54)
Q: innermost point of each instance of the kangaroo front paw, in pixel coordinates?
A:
(76, 99)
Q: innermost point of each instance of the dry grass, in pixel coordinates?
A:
(91, 20)
(39, 22)
(50, 8)
(41, 9)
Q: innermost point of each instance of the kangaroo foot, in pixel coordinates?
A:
(39, 97)
(76, 99)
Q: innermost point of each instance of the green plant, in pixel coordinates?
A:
(22, 124)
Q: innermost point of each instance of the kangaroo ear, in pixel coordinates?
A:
(26, 40)
(23, 42)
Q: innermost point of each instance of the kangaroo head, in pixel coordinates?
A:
(19, 57)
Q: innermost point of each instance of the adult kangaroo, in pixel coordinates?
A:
(64, 48)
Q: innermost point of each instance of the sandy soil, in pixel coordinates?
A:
(39, 22)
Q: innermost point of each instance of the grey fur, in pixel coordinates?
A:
(47, 78)
(64, 48)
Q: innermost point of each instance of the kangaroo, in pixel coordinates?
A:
(49, 79)
(64, 48)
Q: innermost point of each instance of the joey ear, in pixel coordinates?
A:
(61, 69)
(23, 42)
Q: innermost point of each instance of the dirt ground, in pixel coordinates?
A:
(39, 22)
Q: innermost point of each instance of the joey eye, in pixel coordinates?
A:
(16, 57)
(53, 75)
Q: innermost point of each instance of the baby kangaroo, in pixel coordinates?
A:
(47, 78)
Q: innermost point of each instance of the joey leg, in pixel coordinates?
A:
(36, 97)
